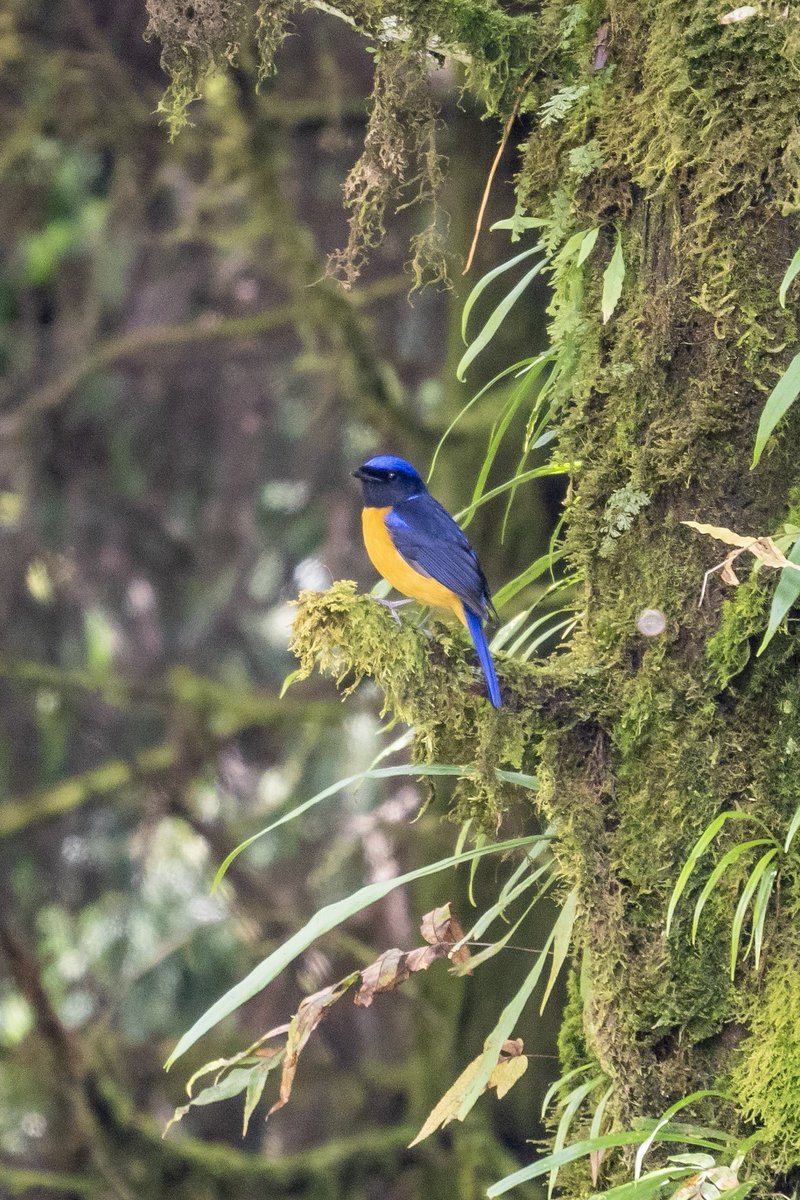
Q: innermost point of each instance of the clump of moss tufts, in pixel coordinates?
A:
(427, 683)
(765, 1080)
(399, 163)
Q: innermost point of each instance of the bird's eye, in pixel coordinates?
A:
(392, 475)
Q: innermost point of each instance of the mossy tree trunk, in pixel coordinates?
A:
(695, 129)
(677, 135)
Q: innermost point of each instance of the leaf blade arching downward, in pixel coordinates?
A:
(779, 401)
(322, 922)
(613, 278)
(786, 593)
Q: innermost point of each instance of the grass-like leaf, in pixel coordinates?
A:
(791, 272)
(780, 399)
(528, 576)
(466, 514)
(323, 922)
(698, 850)
(489, 277)
(515, 368)
(562, 939)
(667, 1116)
(572, 1153)
(786, 594)
(476, 960)
(727, 860)
(794, 825)
(613, 278)
(744, 901)
(503, 1030)
(414, 769)
(763, 896)
(572, 1103)
(496, 319)
(560, 1084)
(519, 395)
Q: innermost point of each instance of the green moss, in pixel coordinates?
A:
(743, 620)
(765, 1080)
(428, 683)
(572, 1049)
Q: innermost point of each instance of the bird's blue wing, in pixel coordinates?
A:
(431, 541)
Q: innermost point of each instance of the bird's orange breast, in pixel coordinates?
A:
(389, 563)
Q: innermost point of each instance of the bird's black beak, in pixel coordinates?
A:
(359, 474)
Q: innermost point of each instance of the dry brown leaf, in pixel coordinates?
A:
(507, 1072)
(393, 968)
(511, 1066)
(722, 1179)
(762, 548)
(720, 534)
(308, 1016)
(442, 927)
(727, 573)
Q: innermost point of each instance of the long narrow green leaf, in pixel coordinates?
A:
(489, 277)
(465, 516)
(527, 634)
(533, 646)
(744, 901)
(697, 852)
(665, 1119)
(733, 856)
(569, 1154)
(378, 773)
(501, 1032)
(560, 1084)
(496, 320)
(794, 825)
(463, 411)
(649, 1184)
(518, 397)
(520, 779)
(526, 577)
(786, 594)
(321, 923)
(510, 629)
(571, 1105)
(477, 960)
(791, 272)
(496, 910)
(780, 399)
(760, 911)
(562, 939)
(613, 278)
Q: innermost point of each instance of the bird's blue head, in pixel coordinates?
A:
(388, 480)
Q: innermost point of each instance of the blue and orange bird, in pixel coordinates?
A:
(417, 547)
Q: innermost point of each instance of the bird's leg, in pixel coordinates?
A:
(392, 605)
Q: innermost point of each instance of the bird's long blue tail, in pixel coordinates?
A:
(475, 627)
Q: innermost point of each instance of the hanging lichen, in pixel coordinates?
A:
(399, 164)
(199, 36)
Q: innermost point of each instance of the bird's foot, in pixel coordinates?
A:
(392, 605)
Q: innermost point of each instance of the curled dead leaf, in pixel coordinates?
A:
(393, 968)
(308, 1016)
(442, 927)
(762, 548)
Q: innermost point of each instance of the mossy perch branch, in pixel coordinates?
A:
(431, 682)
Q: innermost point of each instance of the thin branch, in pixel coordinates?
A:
(493, 169)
